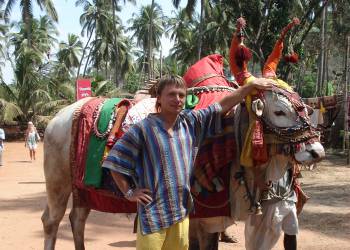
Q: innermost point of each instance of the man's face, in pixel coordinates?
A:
(172, 99)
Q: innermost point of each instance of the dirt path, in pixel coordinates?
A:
(325, 221)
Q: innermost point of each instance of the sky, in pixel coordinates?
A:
(68, 22)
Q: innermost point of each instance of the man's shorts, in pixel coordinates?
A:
(173, 238)
(262, 232)
(285, 217)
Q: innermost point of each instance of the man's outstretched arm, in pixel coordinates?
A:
(228, 102)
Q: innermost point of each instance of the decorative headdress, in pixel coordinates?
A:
(276, 54)
(254, 151)
(240, 54)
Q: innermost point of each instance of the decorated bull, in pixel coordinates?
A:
(230, 169)
(273, 134)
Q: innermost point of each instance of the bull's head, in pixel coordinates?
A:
(284, 117)
(286, 120)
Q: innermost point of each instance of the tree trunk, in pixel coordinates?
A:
(116, 52)
(324, 73)
(106, 72)
(200, 37)
(320, 83)
(161, 63)
(150, 42)
(346, 108)
(82, 56)
(87, 62)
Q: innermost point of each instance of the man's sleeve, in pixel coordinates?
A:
(207, 122)
(124, 155)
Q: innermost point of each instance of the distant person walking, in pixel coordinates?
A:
(31, 139)
(2, 138)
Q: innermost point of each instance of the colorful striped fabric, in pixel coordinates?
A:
(93, 171)
(86, 196)
(163, 163)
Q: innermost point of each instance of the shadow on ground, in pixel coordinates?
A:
(320, 194)
(33, 203)
(330, 224)
(19, 161)
(118, 244)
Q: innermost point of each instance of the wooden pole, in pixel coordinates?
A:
(346, 108)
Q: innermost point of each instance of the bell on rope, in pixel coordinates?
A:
(258, 209)
(241, 181)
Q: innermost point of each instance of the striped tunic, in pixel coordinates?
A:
(163, 163)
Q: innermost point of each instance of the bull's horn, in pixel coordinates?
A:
(239, 53)
(275, 56)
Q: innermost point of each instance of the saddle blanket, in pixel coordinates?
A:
(93, 187)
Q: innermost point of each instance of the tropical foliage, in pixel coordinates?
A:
(120, 56)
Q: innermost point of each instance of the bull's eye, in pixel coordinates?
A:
(279, 113)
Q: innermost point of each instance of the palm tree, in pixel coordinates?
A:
(69, 52)
(183, 31)
(125, 60)
(27, 8)
(103, 51)
(31, 89)
(218, 30)
(27, 12)
(190, 8)
(3, 40)
(115, 7)
(140, 26)
(96, 20)
(179, 26)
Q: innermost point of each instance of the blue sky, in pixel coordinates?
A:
(69, 15)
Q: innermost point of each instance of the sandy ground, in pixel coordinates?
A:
(324, 223)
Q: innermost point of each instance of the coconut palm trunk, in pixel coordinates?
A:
(150, 43)
(201, 24)
(116, 52)
(82, 56)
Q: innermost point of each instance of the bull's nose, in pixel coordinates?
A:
(314, 154)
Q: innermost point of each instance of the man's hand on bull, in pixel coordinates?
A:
(140, 195)
(228, 102)
(263, 83)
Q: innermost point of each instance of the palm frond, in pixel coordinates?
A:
(9, 112)
(51, 107)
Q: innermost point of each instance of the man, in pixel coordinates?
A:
(2, 138)
(279, 212)
(158, 154)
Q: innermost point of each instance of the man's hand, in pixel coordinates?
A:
(228, 102)
(141, 195)
(263, 83)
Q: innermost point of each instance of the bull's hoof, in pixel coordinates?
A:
(227, 238)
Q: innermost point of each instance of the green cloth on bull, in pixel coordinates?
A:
(93, 170)
(191, 101)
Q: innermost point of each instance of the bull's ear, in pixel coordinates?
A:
(258, 107)
(309, 109)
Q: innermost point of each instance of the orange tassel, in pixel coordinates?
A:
(260, 155)
(292, 58)
(243, 54)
